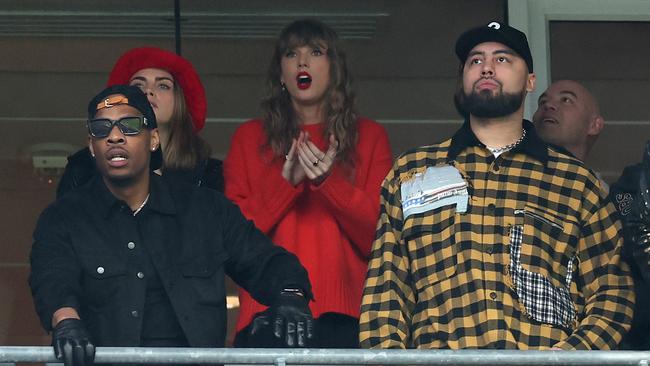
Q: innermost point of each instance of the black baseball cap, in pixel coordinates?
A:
(134, 97)
(123, 94)
(495, 32)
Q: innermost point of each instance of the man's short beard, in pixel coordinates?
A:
(485, 105)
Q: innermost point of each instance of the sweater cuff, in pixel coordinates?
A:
(277, 191)
(335, 186)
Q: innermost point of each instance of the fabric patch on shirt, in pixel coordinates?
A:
(435, 187)
(543, 301)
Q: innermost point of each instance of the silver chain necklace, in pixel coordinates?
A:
(141, 205)
(499, 150)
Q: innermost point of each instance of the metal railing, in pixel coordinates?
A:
(281, 357)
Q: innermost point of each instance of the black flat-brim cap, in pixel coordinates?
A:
(495, 32)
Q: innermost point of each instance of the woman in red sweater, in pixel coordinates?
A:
(308, 174)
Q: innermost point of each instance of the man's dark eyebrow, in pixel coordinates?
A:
(499, 51)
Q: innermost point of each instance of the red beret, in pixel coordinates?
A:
(181, 69)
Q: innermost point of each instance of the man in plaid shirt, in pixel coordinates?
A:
(493, 239)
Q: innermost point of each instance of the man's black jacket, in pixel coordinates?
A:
(622, 194)
(87, 255)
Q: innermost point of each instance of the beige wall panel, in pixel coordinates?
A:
(31, 195)
(404, 99)
(19, 324)
(621, 99)
(609, 50)
(618, 146)
(48, 95)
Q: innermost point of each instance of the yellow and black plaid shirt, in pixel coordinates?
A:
(534, 262)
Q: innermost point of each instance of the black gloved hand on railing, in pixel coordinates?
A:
(72, 344)
(288, 322)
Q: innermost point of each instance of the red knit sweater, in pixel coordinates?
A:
(330, 227)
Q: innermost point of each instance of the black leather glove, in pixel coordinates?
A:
(288, 322)
(72, 344)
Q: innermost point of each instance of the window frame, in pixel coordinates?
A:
(533, 17)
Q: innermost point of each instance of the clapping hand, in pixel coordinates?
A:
(292, 171)
(317, 164)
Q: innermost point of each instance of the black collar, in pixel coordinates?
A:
(532, 144)
(160, 197)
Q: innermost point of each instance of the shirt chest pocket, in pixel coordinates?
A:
(202, 275)
(430, 239)
(103, 278)
(548, 243)
(202, 254)
(542, 264)
(203, 266)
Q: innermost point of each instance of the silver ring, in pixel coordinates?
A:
(316, 162)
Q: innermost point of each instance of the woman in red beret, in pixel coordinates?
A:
(178, 98)
(308, 174)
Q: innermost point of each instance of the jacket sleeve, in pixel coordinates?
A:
(55, 274)
(255, 263)
(265, 198)
(213, 175)
(79, 169)
(388, 299)
(605, 282)
(356, 204)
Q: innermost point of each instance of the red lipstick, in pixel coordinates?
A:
(303, 79)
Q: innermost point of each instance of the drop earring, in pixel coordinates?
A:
(284, 87)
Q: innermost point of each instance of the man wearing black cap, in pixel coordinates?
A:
(131, 260)
(492, 239)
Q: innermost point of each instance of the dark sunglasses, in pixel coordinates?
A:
(129, 126)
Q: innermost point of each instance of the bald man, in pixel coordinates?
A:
(568, 116)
